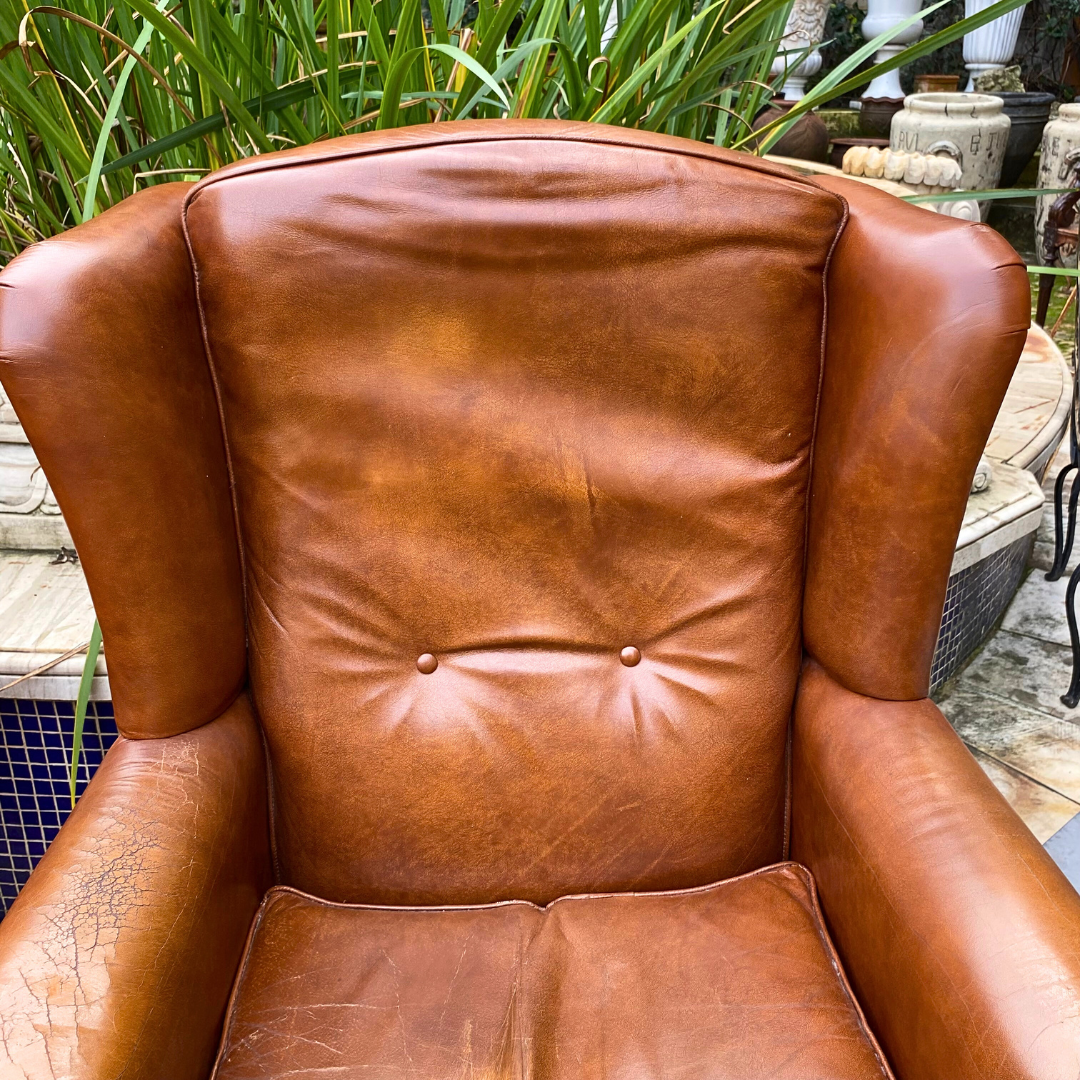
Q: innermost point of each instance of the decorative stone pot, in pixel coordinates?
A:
(882, 15)
(1060, 144)
(1028, 113)
(805, 27)
(971, 127)
(992, 45)
(807, 139)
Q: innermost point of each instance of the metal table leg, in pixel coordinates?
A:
(1065, 534)
(1072, 696)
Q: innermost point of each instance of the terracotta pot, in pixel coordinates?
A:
(937, 84)
(808, 139)
(841, 146)
(876, 115)
(1028, 113)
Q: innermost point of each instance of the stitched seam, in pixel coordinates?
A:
(821, 383)
(713, 885)
(760, 168)
(841, 976)
(787, 783)
(221, 414)
(271, 801)
(226, 1034)
(809, 491)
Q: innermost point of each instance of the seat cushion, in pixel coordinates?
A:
(734, 980)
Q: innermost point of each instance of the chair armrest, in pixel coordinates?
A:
(960, 935)
(117, 958)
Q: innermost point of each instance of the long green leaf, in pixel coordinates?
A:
(115, 102)
(86, 684)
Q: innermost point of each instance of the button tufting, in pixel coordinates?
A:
(630, 656)
(426, 663)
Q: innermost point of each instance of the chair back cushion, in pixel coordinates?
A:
(519, 421)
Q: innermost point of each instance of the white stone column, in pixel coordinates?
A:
(991, 46)
(882, 15)
(805, 27)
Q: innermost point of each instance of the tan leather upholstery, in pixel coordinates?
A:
(517, 425)
(117, 958)
(100, 347)
(926, 320)
(958, 931)
(739, 976)
(524, 440)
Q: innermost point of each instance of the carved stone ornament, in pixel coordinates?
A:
(805, 27)
(925, 173)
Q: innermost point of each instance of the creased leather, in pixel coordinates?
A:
(960, 935)
(514, 396)
(517, 422)
(117, 958)
(927, 317)
(101, 356)
(735, 981)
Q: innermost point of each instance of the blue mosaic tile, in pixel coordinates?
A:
(35, 737)
(976, 599)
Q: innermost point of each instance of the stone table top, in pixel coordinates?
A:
(45, 611)
(1035, 411)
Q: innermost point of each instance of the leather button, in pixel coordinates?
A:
(630, 656)
(426, 663)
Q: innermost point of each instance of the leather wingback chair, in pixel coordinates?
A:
(520, 549)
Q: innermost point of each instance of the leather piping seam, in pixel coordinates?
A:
(221, 417)
(787, 780)
(774, 172)
(841, 976)
(822, 356)
(271, 802)
(290, 890)
(226, 1033)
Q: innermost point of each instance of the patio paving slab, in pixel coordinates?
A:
(1006, 705)
(1043, 748)
(1037, 609)
(1028, 671)
(1045, 812)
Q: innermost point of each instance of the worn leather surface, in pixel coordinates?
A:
(101, 355)
(518, 428)
(736, 980)
(927, 318)
(960, 935)
(117, 957)
(518, 396)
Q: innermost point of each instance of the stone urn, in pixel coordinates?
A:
(973, 128)
(883, 15)
(1028, 113)
(992, 45)
(805, 28)
(1060, 147)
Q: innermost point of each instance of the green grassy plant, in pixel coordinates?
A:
(100, 97)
